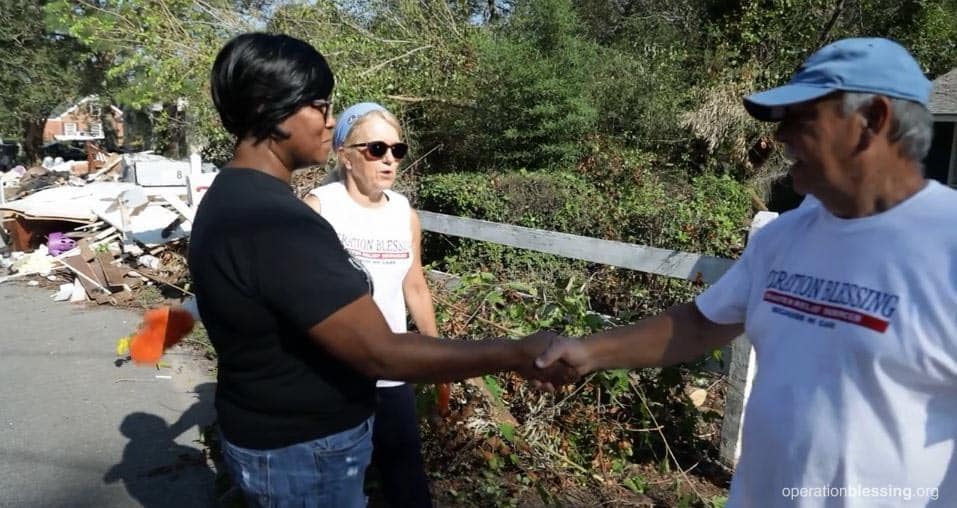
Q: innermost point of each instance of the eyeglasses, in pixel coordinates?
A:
(378, 149)
(324, 107)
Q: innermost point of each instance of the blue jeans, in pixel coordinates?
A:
(326, 472)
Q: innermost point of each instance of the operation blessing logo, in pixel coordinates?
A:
(851, 303)
(375, 248)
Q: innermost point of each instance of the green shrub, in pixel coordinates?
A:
(563, 202)
(707, 215)
(557, 201)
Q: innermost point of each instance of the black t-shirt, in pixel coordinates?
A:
(265, 269)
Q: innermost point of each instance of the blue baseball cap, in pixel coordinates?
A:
(348, 118)
(867, 65)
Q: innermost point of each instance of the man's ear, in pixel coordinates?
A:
(878, 115)
(875, 118)
(867, 134)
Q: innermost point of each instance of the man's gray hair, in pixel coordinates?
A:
(913, 124)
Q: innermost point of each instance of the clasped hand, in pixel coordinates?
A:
(554, 361)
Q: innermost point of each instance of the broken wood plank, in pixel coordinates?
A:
(85, 273)
(86, 251)
(89, 256)
(92, 227)
(105, 233)
(115, 160)
(115, 276)
(179, 205)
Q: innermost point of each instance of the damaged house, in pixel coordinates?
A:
(87, 119)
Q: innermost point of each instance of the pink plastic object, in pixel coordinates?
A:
(58, 243)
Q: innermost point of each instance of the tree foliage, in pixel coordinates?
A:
(160, 52)
(487, 84)
(42, 69)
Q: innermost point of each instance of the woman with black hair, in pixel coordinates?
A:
(300, 341)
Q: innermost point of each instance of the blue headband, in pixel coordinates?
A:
(348, 118)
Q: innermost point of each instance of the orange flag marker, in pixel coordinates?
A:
(162, 329)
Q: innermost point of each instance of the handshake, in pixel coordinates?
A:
(551, 361)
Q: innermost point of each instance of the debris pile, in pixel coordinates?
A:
(100, 229)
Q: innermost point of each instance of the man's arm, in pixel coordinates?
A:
(680, 334)
(358, 335)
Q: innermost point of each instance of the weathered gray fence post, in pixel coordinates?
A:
(740, 376)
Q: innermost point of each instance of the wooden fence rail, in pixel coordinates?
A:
(681, 265)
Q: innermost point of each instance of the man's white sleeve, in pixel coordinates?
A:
(726, 302)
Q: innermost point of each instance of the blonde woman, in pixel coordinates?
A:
(380, 230)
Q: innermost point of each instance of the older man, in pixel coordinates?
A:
(851, 305)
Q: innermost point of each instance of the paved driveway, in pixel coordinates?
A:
(76, 429)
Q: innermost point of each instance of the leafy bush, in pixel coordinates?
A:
(562, 202)
(707, 215)
(538, 200)
(604, 427)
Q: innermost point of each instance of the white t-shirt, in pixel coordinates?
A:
(854, 323)
(379, 238)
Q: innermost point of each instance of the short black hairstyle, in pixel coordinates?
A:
(259, 80)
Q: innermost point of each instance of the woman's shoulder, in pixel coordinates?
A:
(328, 190)
(397, 199)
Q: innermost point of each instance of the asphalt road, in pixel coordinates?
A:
(77, 430)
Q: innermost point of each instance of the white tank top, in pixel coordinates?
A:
(381, 239)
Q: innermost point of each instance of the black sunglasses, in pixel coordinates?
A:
(379, 148)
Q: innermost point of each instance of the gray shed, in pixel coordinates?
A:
(941, 161)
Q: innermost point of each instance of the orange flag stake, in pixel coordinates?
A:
(442, 399)
(162, 329)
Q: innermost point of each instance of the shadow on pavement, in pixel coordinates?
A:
(159, 472)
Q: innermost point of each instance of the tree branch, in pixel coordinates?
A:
(387, 62)
(441, 100)
(838, 10)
